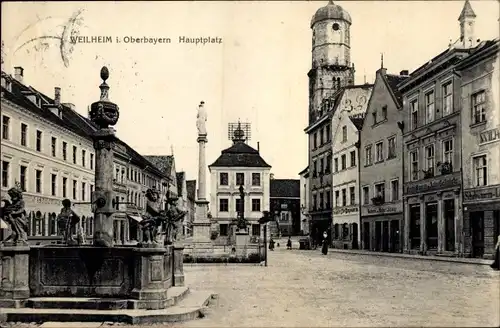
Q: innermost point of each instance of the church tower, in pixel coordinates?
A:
(331, 55)
(467, 20)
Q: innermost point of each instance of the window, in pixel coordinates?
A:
(92, 163)
(38, 182)
(337, 200)
(448, 151)
(414, 165)
(447, 99)
(255, 205)
(5, 174)
(368, 155)
(91, 190)
(391, 147)
(328, 133)
(239, 205)
(379, 150)
(353, 158)
(344, 197)
(315, 200)
(83, 157)
(429, 160)
(315, 168)
(64, 187)
(321, 165)
(53, 184)
(480, 170)
(65, 150)
(366, 195)
(53, 146)
(344, 133)
(343, 162)
(24, 134)
(240, 179)
(384, 112)
(321, 200)
(284, 216)
(328, 168)
(84, 186)
(74, 154)
(223, 229)
(328, 199)
(478, 108)
(374, 115)
(352, 195)
(321, 136)
(5, 127)
(394, 190)
(74, 189)
(38, 140)
(315, 140)
(414, 114)
(255, 179)
(336, 161)
(22, 176)
(380, 191)
(429, 107)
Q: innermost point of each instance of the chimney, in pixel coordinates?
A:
(404, 72)
(69, 105)
(258, 147)
(19, 73)
(271, 176)
(57, 96)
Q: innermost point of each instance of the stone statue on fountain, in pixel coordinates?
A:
(14, 214)
(153, 218)
(173, 216)
(66, 221)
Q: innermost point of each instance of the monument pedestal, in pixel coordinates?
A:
(201, 224)
(178, 265)
(242, 239)
(14, 288)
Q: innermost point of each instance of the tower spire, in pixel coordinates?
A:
(467, 20)
(381, 60)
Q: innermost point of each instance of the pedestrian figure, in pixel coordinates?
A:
(289, 243)
(271, 244)
(496, 264)
(324, 248)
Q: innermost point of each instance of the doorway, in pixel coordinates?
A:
(366, 235)
(414, 226)
(385, 236)
(449, 224)
(395, 235)
(378, 234)
(431, 225)
(477, 233)
(355, 236)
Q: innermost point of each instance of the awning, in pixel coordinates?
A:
(135, 217)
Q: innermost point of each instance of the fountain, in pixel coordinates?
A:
(103, 282)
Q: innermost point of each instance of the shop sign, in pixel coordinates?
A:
(433, 184)
(345, 210)
(41, 200)
(382, 209)
(481, 194)
(488, 136)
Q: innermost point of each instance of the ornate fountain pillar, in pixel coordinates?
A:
(104, 114)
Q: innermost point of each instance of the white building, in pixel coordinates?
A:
(347, 121)
(238, 165)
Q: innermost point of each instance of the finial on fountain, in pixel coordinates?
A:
(104, 86)
(104, 113)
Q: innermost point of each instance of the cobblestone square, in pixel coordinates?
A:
(307, 289)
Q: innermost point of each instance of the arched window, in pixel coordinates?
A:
(52, 224)
(345, 231)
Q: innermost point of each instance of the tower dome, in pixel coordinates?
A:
(331, 11)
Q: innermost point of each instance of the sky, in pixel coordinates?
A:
(258, 74)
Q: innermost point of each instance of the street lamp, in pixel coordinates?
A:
(267, 217)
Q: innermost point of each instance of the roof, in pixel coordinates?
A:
(392, 83)
(281, 188)
(304, 170)
(240, 155)
(331, 11)
(180, 176)
(69, 119)
(191, 189)
(358, 122)
(484, 49)
(467, 11)
(162, 162)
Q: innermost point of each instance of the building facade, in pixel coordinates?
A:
(285, 204)
(304, 201)
(380, 162)
(331, 69)
(47, 148)
(347, 122)
(481, 148)
(238, 165)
